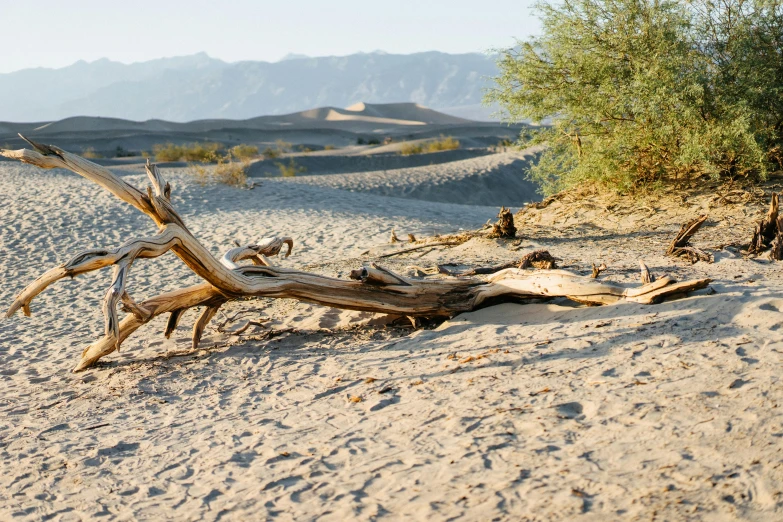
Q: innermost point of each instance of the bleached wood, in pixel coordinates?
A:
(374, 289)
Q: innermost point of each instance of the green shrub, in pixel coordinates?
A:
(227, 171)
(232, 173)
(283, 146)
(360, 141)
(448, 143)
(244, 152)
(167, 152)
(408, 149)
(290, 170)
(206, 152)
(442, 144)
(270, 153)
(202, 152)
(373, 141)
(644, 93)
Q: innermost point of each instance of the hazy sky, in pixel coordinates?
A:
(56, 33)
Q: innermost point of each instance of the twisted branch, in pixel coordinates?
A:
(373, 289)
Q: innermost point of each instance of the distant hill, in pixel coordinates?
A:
(360, 117)
(200, 87)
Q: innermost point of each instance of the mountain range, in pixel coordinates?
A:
(201, 87)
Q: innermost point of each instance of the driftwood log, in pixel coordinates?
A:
(371, 288)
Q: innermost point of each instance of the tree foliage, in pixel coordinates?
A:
(648, 92)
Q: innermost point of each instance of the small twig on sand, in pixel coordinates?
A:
(476, 271)
(411, 249)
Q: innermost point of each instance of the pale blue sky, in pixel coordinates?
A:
(56, 33)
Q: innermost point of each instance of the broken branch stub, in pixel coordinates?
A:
(768, 233)
(373, 289)
(504, 228)
(681, 247)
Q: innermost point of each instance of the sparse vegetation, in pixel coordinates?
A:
(650, 93)
(244, 152)
(90, 153)
(228, 171)
(373, 141)
(270, 153)
(361, 141)
(283, 146)
(291, 169)
(280, 148)
(408, 149)
(231, 172)
(120, 152)
(206, 152)
(444, 143)
(329, 147)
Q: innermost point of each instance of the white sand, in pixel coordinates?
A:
(663, 412)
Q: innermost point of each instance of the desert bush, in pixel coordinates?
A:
(361, 141)
(644, 93)
(244, 152)
(444, 143)
(90, 153)
(167, 152)
(231, 172)
(408, 149)
(329, 147)
(290, 170)
(373, 141)
(283, 146)
(121, 152)
(270, 153)
(206, 152)
(228, 171)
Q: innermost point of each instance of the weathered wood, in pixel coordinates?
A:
(419, 247)
(538, 259)
(646, 275)
(504, 228)
(680, 245)
(373, 289)
(597, 270)
(767, 233)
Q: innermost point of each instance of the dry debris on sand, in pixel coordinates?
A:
(547, 411)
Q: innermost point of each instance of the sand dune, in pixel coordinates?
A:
(390, 114)
(496, 179)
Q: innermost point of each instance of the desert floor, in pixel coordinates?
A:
(546, 411)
